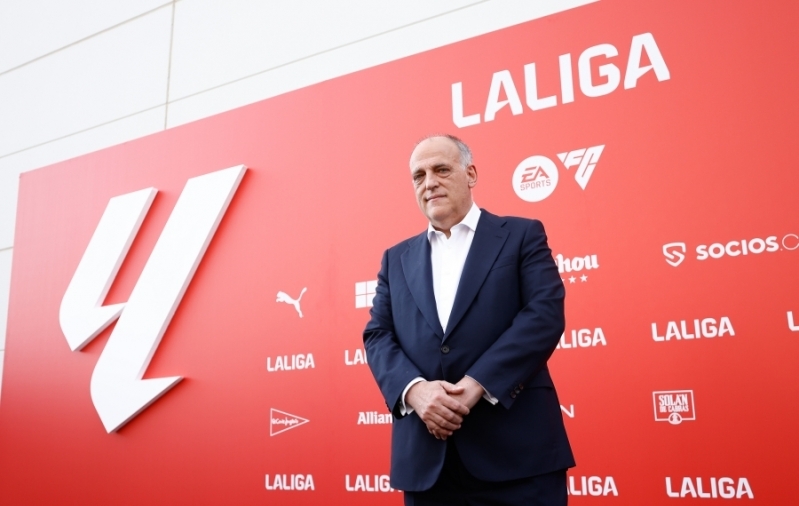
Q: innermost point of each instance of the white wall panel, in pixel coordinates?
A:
(118, 73)
(217, 41)
(32, 28)
(5, 287)
(110, 134)
(279, 74)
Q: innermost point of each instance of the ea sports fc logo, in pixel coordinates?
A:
(536, 177)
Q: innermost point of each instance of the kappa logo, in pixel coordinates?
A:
(117, 389)
(284, 297)
(674, 406)
(674, 253)
(280, 421)
(536, 177)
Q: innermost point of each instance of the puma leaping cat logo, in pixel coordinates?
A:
(284, 297)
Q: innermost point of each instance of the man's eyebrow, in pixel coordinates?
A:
(436, 166)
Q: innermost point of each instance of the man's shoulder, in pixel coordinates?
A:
(512, 222)
(406, 243)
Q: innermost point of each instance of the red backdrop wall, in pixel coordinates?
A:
(700, 160)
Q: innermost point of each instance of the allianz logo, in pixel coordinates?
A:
(374, 418)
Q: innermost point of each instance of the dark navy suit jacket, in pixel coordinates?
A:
(506, 320)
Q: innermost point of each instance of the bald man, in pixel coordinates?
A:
(463, 322)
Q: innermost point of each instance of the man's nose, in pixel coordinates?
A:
(431, 182)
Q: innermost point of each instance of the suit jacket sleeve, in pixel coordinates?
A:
(522, 350)
(391, 367)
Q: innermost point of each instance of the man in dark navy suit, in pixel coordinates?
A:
(463, 322)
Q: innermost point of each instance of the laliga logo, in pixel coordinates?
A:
(118, 391)
(536, 177)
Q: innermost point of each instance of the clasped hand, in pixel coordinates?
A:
(442, 405)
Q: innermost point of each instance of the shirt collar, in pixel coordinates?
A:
(470, 221)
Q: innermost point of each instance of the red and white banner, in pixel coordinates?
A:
(186, 309)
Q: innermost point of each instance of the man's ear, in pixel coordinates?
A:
(471, 171)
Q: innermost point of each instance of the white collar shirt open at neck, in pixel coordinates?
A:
(447, 256)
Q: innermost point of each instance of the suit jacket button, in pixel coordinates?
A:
(513, 395)
(445, 349)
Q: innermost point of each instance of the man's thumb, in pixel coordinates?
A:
(452, 389)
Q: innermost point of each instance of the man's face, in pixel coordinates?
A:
(443, 186)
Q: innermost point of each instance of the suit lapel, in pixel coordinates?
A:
(418, 270)
(489, 237)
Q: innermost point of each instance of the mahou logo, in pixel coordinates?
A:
(674, 406)
(117, 389)
(536, 177)
(576, 267)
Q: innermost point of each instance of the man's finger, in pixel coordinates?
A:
(441, 423)
(447, 414)
(454, 406)
(439, 433)
(450, 388)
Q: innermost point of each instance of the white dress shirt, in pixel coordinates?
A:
(447, 256)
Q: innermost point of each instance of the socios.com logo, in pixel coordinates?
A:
(675, 252)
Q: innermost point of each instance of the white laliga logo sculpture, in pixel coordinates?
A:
(118, 391)
(284, 297)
